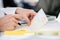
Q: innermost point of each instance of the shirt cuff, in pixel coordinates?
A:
(1, 14)
(9, 10)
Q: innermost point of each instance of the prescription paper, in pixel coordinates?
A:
(39, 20)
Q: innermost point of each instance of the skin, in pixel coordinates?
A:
(10, 22)
(27, 14)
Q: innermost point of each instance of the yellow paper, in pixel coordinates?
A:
(18, 32)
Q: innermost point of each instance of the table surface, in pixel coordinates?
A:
(51, 25)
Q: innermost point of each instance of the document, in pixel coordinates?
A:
(39, 20)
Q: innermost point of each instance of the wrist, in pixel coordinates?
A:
(18, 10)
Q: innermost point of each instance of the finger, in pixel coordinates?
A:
(10, 20)
(12, 25)
(8, 16)
(14, 20)
(33, 13)
(27, 20)
(7, 27)
(31, 18)
(17, 16)
(10, 28)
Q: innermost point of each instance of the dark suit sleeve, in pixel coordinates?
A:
(9, 3)
(50, 7)
(37, 7)
(42, 4)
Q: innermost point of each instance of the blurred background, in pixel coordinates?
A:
(48, 6)
(29, 4)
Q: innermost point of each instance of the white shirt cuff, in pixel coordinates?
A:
(9, 10)
(1, 14)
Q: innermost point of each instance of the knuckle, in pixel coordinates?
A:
(31, 10)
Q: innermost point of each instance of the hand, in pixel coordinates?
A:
(27, 14)
(9, 22)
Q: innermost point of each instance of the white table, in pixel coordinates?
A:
(49, 25)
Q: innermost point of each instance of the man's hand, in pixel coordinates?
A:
(27, 14)
(9, 22)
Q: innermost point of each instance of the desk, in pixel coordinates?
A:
(50, 25)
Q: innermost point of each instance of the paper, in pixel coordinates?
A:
(58, 19)
(39, 20)
(17, 32)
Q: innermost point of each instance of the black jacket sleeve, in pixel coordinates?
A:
(51, 7)
(9, 3)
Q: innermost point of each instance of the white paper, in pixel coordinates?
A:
(58, 19)
(39, 20)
